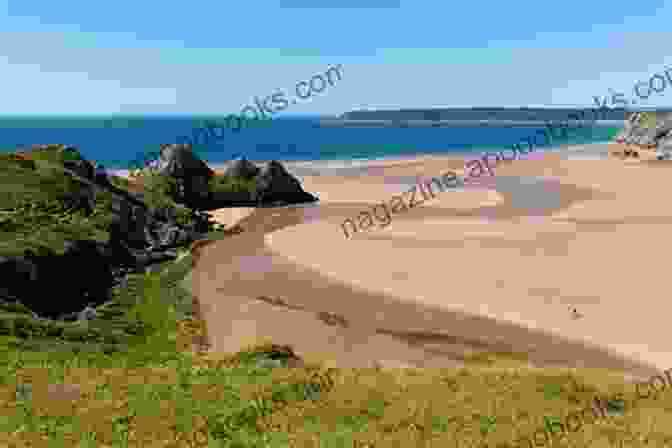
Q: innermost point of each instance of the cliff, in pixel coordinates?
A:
(648, 130)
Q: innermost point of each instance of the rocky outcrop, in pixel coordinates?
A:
(191, 173)
(646, 130)
(275, 186)
(242, 168)
(62, 285)
(51, 284)
(82, 168)
(153, 229)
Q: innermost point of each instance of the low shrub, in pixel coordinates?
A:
(228, 184)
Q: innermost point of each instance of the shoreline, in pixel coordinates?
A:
(328, 165)
(450, 123)
(405, 292)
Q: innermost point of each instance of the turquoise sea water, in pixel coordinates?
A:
(116, 141)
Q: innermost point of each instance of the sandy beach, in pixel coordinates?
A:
(560, 257)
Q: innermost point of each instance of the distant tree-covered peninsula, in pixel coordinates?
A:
(482, 113)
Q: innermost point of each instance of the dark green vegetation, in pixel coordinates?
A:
(32, 209)
(228, 184)
(158, 192)
(35, 216)
(34, 212)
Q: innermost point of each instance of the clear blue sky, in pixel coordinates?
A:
(80, 57)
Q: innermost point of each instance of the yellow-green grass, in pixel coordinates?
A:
(648, 120)
(220, 404)
(159, 392)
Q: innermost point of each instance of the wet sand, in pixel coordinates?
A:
(499, 266)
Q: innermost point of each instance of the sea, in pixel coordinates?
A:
(116, 141)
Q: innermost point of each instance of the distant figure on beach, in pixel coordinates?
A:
(576, 314)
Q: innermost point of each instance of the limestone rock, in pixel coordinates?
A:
(242, 168)
(647, 129)
(190, 172)
(275, 184)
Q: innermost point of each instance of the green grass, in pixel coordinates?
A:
(33, 214)
(229, 184)
(648, 120)
(252, 401)
(157, 390)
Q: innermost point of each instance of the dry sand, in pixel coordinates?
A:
(230, 217)
(580, 282)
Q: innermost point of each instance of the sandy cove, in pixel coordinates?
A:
(471, 270)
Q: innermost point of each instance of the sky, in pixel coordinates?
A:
(215, 57)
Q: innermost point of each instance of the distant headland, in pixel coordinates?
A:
(465, 116)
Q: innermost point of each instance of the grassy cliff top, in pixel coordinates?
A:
(33, 213)
(33, 206)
